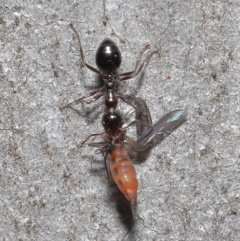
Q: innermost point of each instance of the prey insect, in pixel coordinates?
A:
(163, 127)
(117, 161)
(117, 145)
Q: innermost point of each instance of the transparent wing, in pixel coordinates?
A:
(142, 115)
(146, 135)
(163, 127)
(133, 145)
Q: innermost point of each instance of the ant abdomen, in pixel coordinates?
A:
(108, 56)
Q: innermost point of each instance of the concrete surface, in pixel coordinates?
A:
(51, 189)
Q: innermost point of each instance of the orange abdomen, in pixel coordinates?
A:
(123, 172)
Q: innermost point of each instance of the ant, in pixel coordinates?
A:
(114, 148)
(108, 60)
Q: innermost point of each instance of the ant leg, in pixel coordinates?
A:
(81, 52)
(92, 135)
(104, 151)
(82, 98)
(142, 66)
(105, 155)
(147, 46)
(94, 98)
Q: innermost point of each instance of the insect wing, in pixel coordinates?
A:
(132, 145)
(163, 127)
(143, 116)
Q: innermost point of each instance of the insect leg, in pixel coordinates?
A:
(147, 46)
(92, 135)
(81, 52)
(141, 67)
(82, 98)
